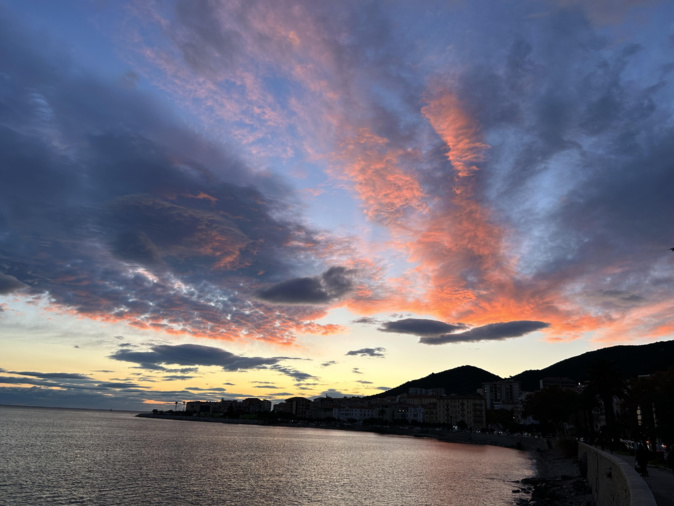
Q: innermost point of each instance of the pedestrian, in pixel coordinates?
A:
(669, 456)
(641, 459)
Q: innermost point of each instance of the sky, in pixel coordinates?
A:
(204, 200)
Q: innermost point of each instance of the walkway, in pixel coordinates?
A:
(660, 481)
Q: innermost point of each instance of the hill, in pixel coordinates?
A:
(631, 361)
(462, 380)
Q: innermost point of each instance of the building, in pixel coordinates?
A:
(357, 413)
(253, 406)
(299, 406)
(501, 394)
(468, 409)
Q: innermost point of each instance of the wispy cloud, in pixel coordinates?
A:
(259, 171)
(368, 352)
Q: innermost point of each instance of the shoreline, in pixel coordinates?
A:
(523, 443)
(557, 480)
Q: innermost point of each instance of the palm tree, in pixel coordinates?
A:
(607, 383)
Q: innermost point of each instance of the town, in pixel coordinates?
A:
(418, 406)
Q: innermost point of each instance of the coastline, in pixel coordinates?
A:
(524, 443)
(558, 480)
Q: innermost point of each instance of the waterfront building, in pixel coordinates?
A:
(357, 413)
(503, 394)
(253, 406)
(469, 409)
(299, 406)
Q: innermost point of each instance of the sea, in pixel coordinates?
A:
(65, 456)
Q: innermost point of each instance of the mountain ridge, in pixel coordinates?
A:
(629, 360)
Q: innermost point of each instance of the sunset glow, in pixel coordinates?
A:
(279, 183)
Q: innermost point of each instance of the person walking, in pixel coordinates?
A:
(641, 459)
(669, 456)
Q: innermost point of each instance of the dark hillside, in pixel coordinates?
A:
(462, 380)
(631, 361)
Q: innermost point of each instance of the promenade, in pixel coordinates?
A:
(660, 481)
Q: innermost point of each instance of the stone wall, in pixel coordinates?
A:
(613, 481)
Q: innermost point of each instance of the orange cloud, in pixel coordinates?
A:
(373, 166)
(460, 132)
(462, 270)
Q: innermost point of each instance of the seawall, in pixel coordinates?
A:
(613, 480)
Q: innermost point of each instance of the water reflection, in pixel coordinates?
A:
(62, 456)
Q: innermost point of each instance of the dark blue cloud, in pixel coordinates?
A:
(192, 354)
(160, 356)
(9, 284)
(421, 327)
(328, 287)
(100, 181)
(53, 375)
(368, 352)
(293, 373)
(490, 332)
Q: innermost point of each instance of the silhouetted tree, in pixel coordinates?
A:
(587, 402)
(552, 405)
(606, 381)
(649, 407)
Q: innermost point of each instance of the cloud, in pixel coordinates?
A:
(177, 377)
(367, 320)
(119, 385)
(490, 332)
(9, 284)
(293, 373)
(604, 12)
(368, 352)
(328, 363)
(173, 232)
(331, 392)
(192, 354)
(199, 389)
(328, 287)
(113, 395)
(523, 175)
(356, 370)
(421, 327)
(363, 382)
(53, 375)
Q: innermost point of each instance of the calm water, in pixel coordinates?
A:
(52, 456)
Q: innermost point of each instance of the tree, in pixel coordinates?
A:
(606, 382)
(649, 407)
(553, 406)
